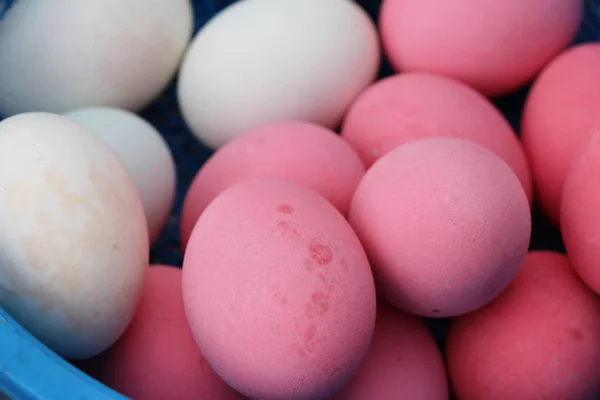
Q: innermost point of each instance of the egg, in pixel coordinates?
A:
(278, 291)
(413, 106)
(561, 108)
(297, 151)
(493, 46)
(156, 358)
(445, 223)
(65, 54)
(144, 153)
(300, 60)
(537, 341)
(403, 362)
(74, 238)
(580, 210)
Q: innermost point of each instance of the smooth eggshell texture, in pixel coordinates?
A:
(297, 151)
(537, 341)
(300, 60)
(144, 153)
(403, 362)
(278, 291)
(561, 109)
(445, 223)
(580, 211)
(157, 358)
(74, 238)
(494, 46)
(64, 54)
(413, 106)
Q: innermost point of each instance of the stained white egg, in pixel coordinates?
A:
(144, 153)
(64, 54)
(266, 61)
(73, 238)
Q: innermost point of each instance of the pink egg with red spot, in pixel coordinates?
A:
(536, 341)
(445, 223)
(156, 358)
(403, 362)
(278, 291)
(414, 106)
(305, 153)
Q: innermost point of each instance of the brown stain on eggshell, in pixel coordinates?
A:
(56, 248)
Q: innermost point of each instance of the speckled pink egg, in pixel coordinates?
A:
(561, 108)
(537, 341)
(494, 46)
(445, 223)
(580, 211)
(413, 106)
(403, 362)
(157, 358)
(305, 153)
(278, 291)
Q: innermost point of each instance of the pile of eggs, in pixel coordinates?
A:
(311, 258)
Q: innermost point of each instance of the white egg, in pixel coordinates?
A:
(144, 153)
(73, 239)
(60, 55)
(265, 61)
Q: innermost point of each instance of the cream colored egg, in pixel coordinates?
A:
(144, 153)
(73, 238)
(265, 61)
(60, 55)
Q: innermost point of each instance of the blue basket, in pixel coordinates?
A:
(30, 371)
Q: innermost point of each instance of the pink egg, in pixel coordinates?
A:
(537, 341)
(305, 153)
(403, 362)
(157, 358)
(494, 46)
(413, 106)
(278, 291)
(445, 223)
(562, 107)
(580, 211)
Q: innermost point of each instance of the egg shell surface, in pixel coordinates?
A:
(562, 107)
(300, 60)
(157, 358)
(144, 153)
(278, 291)
(493, 46)
(413, 106)
(74, 238)
(445, 223)
(305, 153)
(537, 341)
(580, 211)
(65, 54)
(403, 362)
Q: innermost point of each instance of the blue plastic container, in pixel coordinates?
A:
(30, 371)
